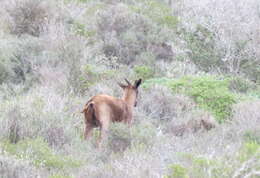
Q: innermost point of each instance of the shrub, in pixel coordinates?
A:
(17, 59)
(122, 138)
(17, 168)
(240, 164)
(209, 40)
(252, 136)
(161, 105)
(80, 29)
(159, 12)
(28, 17)
(35, 111)
(70, 54)
(119, 137)
(208, 92)
(203, 49)
(246, 116)
(197, 124)
(178, 171)
(143, 72)
(240, 84)
(38, 152)
(129, 34)
(143, 134)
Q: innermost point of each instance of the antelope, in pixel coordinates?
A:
(103, 109)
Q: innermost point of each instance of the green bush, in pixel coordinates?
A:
(143, 72)
(38, 152)
(209, 92)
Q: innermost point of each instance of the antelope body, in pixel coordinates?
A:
(103, 109)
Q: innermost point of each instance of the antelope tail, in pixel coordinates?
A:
(88, 106)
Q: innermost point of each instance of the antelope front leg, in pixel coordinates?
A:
(88, 131)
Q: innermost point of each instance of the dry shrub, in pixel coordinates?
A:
(10, 167)
(119, 138)
(160, 104)
(127, 35)
(246, 116)
(177, 69)
(217, 36)
(201, 122)
(41, 113)
(28, 17)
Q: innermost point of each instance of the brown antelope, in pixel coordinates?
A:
(103, 109)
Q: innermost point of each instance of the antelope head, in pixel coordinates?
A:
(130, 92)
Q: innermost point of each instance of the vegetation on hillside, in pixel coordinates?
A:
(198, 108)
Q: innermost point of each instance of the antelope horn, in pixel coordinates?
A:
(127, 82)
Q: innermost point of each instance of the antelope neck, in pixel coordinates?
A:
(129, 99)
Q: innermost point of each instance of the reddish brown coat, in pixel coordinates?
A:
(103, 109)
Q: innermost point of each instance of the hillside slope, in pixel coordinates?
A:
(198, 108)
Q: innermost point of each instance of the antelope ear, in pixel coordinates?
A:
(121, 85)
(138, 83)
